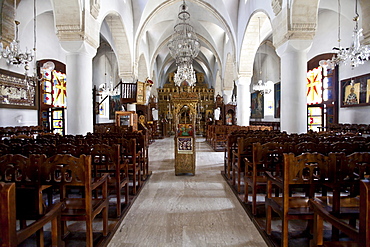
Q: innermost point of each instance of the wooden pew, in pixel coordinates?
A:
(232, 144)
(24, 172)
(245, 147)
(9, 236)
(265, 157)
(130, 153)
(63, 171)
(107, 159)
(359, 236)
(299, 171)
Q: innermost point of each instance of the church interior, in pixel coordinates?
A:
(184, 123)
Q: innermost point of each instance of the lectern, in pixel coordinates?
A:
(184, 113)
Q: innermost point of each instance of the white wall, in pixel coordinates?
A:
(17, 117)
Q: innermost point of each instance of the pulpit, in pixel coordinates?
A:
(184, 113)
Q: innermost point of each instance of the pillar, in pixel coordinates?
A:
(131, 107)
(243, 105)
(293, 114)
(79, 56)
(226, 94)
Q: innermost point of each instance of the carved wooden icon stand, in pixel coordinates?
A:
(185, 112)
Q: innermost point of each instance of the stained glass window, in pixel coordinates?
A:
(314, 86)
(54, 85)
(60, 89)
(47, 87)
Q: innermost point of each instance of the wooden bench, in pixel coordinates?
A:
(265, 157)
(63, 171)
(10, 236)
(298, 172)
(360, 237)
(107, 159)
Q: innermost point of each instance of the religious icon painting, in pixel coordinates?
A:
(257, 105)
(185, 130)
(355, 91)
(351, 94)
(184, 144)
(114, 105)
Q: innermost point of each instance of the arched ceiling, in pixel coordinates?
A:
(213, 21)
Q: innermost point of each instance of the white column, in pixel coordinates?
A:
(79, 86)
(243, 100)
(131, 107)
(293, 115)
(226, 94)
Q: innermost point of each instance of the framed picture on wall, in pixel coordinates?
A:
(114, 105)
(257, 105)
(277, 100)
(16, 92)
(355, 91)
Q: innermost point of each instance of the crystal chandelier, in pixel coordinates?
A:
(13, 53)
(184, 47)
(262, 87)
(356, 54)
(185, 74)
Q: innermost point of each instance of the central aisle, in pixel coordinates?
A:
(198, 210)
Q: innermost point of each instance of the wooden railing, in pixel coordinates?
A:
(128, 92)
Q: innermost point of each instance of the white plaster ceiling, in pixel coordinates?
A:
(213, 20)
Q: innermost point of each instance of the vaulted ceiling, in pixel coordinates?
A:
(213, 21)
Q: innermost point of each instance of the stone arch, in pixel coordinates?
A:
(304, 17)
(228, 81)
(251, 42)
(72, 26)
(304, 14)
(218, 83)
(142, 70)
(7, 27)
(120, 46)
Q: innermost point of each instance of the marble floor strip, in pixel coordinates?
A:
(198, 210)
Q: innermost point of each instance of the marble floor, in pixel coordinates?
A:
(198, 210)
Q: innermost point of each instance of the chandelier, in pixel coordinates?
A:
(13, 53)
(262, 87)
(184, 47)
(185, 74)
(356, 54)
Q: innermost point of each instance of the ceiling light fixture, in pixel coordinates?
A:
(184, 48)
(356, 54)
(13, 53)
